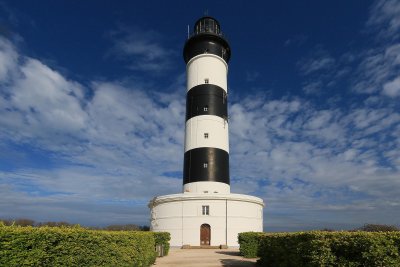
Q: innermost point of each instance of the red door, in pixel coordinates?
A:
(205, 235)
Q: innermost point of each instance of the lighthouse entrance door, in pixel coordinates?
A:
(205, 235)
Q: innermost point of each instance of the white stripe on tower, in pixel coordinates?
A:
(206, 163)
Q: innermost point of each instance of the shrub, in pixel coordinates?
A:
(74, 246)
(316, 248)
(249, 244)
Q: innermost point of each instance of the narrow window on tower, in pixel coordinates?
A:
(205, 165)
(206, 135)
(206, 210)
(206, 80)
(205, 108)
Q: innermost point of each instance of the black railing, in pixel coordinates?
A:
(220, 34)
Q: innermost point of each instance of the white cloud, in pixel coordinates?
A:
(46, 98)
(336, 155)
(41, 106)
(392, 88)
(377, 67)
(8, 60)
(112, 146)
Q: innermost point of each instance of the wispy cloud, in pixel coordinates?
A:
(385, 18)
(297, 40)
(252, 76)
(370, 70)
(378, 66)
(318, 61)
(320, 71)
(142, 50)
(313, 87)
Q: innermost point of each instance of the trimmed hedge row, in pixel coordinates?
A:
(76, 246)
(250, 244)
(308, 249)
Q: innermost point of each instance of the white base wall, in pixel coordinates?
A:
(207, 187)
(229, 214)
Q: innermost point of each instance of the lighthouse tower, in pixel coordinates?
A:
(206, 163)
(206, 213)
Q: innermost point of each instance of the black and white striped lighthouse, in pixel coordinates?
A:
(206, 162)
(206, 213)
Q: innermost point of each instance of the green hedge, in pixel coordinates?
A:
(163, 238)
(76, 246)
(250, 244)
(308, 249)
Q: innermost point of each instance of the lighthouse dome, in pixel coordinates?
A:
(207, 25)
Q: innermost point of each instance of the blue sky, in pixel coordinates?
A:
(92, 103)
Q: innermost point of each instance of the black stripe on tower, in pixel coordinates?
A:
(211, 44)
(206, 164)
(206, 99)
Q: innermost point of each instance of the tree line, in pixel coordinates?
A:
(112, 227)
(135, 227)
(370, 228)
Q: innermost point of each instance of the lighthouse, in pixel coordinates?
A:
(206, 213)
(206, 162)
